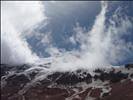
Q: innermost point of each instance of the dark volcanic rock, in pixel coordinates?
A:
(14, 83)
(64, 85)
(4, 69)
(98, 70)
(111, 76)
(17, 79)
(116, 77)
(67, 78)
(72, 79)
(131, 75)
(105, 94)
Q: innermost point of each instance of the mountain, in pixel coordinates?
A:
(25, 82)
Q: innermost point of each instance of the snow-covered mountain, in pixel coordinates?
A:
(26, 82)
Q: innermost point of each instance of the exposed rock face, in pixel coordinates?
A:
(120, 91)
(111, 76)
(95, 92)
(22, 83)
(68, 78)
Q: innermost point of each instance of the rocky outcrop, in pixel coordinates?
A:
(105, 84)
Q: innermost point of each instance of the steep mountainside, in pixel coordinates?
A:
(37, 83)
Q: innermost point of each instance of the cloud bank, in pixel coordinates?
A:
(17, 17)
(99, 47)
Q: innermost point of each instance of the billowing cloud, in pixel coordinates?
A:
(101, 46)
(17, 17)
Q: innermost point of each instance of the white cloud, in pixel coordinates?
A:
(100, 46)
(46, 38)
(17, 17)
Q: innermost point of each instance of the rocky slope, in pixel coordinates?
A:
(37, 83)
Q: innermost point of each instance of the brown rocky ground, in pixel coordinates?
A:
(114, 84)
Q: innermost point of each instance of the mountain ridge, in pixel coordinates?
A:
(27, 83)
